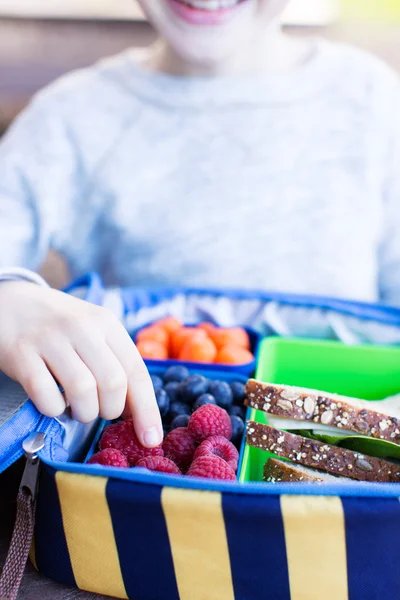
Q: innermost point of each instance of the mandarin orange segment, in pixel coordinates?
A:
(207, 326)
(153, 333)
(152, 349)
(170, 324)
(198, 349)
(226, 336)
(233, 355)
(180, 336)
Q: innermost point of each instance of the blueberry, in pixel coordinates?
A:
(177, 409)
(238, 391)
(162, 401)
(180, 421)
(172, 389)
(193, 387)
(237, 430)
(177, 373)
(237, 411)
(222, 393)
(157, 382)
(202, 400)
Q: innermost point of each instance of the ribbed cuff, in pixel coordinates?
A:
(19, 274)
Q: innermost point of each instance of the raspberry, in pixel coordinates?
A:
(210, 420)
(180, 447)
(211, 467)
(219, 446)
(122, 436)
(159, 463)
(109, 458)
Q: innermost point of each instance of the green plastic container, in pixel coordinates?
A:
(366, 372)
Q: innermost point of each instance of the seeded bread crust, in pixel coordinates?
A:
(322, 408)
(277, 471)
(312, 453)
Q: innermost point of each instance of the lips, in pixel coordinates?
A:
(211, 5)
(205, 12)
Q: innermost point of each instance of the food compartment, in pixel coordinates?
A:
(367, 372)
(364, 372)
(241, 360)
(178, 401)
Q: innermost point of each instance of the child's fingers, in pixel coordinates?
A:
(32, 373)
(112, 381)
(76, 379)
(141, 399)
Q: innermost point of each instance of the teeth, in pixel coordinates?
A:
(211, 4)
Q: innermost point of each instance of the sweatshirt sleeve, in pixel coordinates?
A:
(389, 254)
(37, 179)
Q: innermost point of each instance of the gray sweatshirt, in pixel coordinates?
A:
(285, 182)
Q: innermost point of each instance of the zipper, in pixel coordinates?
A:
(22, 536)
(43, 425)
(31, 446)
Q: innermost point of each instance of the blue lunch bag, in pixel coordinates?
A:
(145, 536)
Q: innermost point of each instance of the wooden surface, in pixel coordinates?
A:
(34, 586)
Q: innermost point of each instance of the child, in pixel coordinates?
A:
(229, 155)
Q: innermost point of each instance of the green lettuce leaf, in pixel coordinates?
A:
(358, 443)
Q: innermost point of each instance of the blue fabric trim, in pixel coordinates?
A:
(26, 420)
(363, 490)
(136, 298)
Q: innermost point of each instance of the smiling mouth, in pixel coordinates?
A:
(210, 5)
(206, 12)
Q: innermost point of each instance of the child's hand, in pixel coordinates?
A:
(46, 335)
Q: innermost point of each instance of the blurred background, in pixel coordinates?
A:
(43, 39)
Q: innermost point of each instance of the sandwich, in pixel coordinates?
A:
(327, 434)
(278, 471)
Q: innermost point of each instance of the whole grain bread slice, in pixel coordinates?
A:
(321, 410)
(318, 455)
(276, 471)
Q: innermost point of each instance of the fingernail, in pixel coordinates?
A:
(151, 437)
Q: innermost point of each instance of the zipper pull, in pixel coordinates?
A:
(32, 446)
(21, 540)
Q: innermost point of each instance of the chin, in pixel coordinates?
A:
(207, 52)
(207, 32)
(204, 32)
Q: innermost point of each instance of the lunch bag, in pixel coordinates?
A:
(147, 536)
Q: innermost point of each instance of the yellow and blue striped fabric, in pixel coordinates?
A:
(145, 542)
